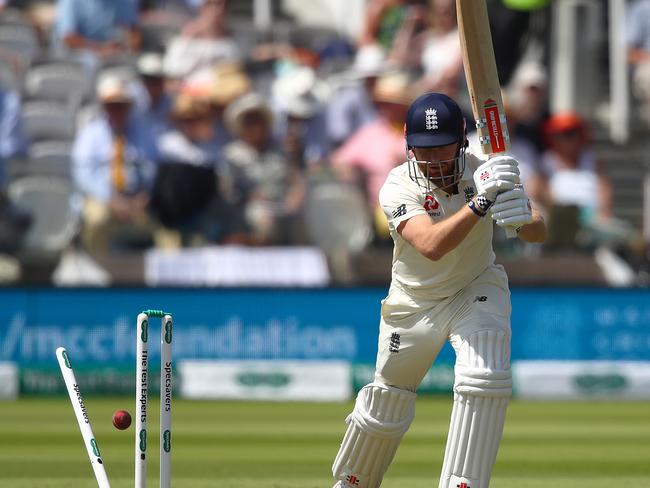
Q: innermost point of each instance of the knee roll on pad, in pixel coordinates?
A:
(382, 414)
(481, 392)
(483, 365)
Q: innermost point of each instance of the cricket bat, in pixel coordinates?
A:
(483, 79)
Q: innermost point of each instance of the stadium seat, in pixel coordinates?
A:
(124, 66)
(51, 157)
(54, 221)
(21, 40)
(13, 16)
(9, 79)
(59, 80)
(337, 217)
(563, 225)
(43, 119)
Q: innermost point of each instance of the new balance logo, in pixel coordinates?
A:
(394, 342)
(481, 298)
(399, 211)
(352, 479)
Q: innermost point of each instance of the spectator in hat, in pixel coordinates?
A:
(300, 101)
(576, 178)
(527, 96)
(112, 169)
(184, 195)
(259, 177)
(153, 112)
(373, 150)
(219, 85)
(193, 139)
(351, 107)
(103, 27)
(203, 42)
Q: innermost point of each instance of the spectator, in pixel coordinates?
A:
(383, 20)
(102, 27)
(351, 107)
(194, 140)
(528, 156)
(300, 99)
(376, 148)
(261, 179)
(510, 22)
(638, 41)
(13, 223)
(185, 190)
(438, 51)
(576, 179)
(203, 42)
(527, 96)
(13, 142)
(113, 170)
(153, 111)
(219, 86)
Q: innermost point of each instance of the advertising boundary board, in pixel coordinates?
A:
(97, 325)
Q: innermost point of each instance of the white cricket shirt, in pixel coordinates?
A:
(401, 198)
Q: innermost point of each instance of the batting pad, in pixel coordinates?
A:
(381, 416)
(481, 392)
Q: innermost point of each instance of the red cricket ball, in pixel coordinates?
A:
(121, 419)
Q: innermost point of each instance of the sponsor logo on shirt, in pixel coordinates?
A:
(432, 206)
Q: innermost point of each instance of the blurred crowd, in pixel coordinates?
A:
(174, 123)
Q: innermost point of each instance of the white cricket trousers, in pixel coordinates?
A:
(414, 329)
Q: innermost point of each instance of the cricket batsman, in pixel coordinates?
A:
(440, 205)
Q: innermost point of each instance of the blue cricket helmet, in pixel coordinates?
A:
(434, 119)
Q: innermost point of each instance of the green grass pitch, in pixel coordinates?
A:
(277, 445)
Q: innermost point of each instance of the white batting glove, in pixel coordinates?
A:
(495, 176)
(512, 208)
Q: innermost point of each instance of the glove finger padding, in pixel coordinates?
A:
(517, 193)
(519, 203)
(511, 212)
(499, 162)
(505, 168)
(497, 186)
(503, 160)
(516, 221)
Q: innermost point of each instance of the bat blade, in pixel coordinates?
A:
(482, 76)
(483, 79)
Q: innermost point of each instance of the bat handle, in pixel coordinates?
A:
(511, 232)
